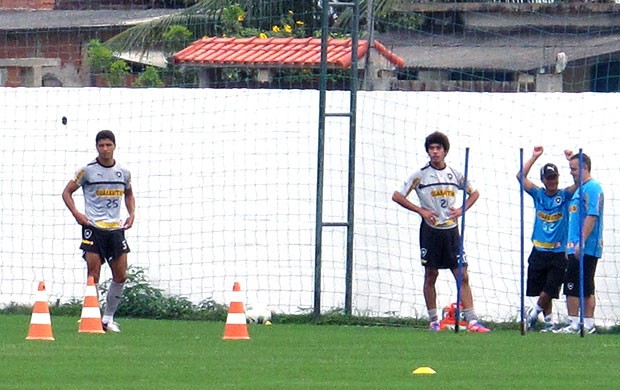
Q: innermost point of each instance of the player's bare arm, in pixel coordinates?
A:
(527, 166)
(428, 215)
(456, 212)
(130, 203)
(67, 197)
(572, 188)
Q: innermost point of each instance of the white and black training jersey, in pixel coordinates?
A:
(104, 188)
(437, 190)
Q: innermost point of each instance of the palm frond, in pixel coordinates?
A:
(381, 8)
(148, 36)
(201, 19)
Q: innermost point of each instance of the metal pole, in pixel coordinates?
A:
(521, 239)
(370, 16)
(352, 136)
(320, 162)
(582, 217)
(459, 278)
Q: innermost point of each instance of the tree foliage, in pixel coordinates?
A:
(116, 75)
(176, 38)
(212, 18)
(99, 56)
(149, 78)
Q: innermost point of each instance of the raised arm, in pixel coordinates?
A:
(527, 183)
(572, 188)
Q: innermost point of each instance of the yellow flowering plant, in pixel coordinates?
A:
(233, 18)
(288, 28)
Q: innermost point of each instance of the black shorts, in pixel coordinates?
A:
(571, 282)
(440, 247)
(545, 272)
(109, 244)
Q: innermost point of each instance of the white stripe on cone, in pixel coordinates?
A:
(91, 291)
(236, 318)
(40, 318)
(90, 312)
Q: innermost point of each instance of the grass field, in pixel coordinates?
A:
(192, 355)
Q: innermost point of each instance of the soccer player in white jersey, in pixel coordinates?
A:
(437, 186)
(547, 261)
(105, 183)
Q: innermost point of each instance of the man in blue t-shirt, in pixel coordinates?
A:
(547, 261)
(585, 233)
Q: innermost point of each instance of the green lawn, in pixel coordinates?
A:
(192, 355)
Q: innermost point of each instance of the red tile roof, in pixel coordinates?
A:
(275, 51)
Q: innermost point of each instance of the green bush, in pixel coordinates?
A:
(149, 78)
(176, 38)
(117, 72)
(99, 56)
(142, 300)
(73, 308)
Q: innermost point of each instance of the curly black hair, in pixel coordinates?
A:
(437, 138)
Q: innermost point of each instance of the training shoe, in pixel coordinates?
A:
(531, 317)
(477, 327)
(111, 327)
(568, 329)
(550, 327)
(434, 326)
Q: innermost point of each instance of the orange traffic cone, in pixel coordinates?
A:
(236, 326)
(40, 322)
(91, 315)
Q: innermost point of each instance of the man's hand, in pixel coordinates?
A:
(538, 151)
(429, 216)
(81, 219)
(128, 222)
(455, 212)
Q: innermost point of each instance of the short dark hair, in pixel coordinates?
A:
(586, 160)
(105, 134)
(437, 138)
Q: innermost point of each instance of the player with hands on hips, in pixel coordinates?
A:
(436, 186)
(105, 184)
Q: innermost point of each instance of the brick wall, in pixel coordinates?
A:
(27, 4)
(67, 46)
(106, 4)
(92, 4)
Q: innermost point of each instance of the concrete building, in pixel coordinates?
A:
(43, 47)
(455, 46)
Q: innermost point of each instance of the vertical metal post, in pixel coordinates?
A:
(352, 138)
(351, 114)
(368, 77)
(320, 166)
(522, 243)
(459, 278)
(582, 217)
